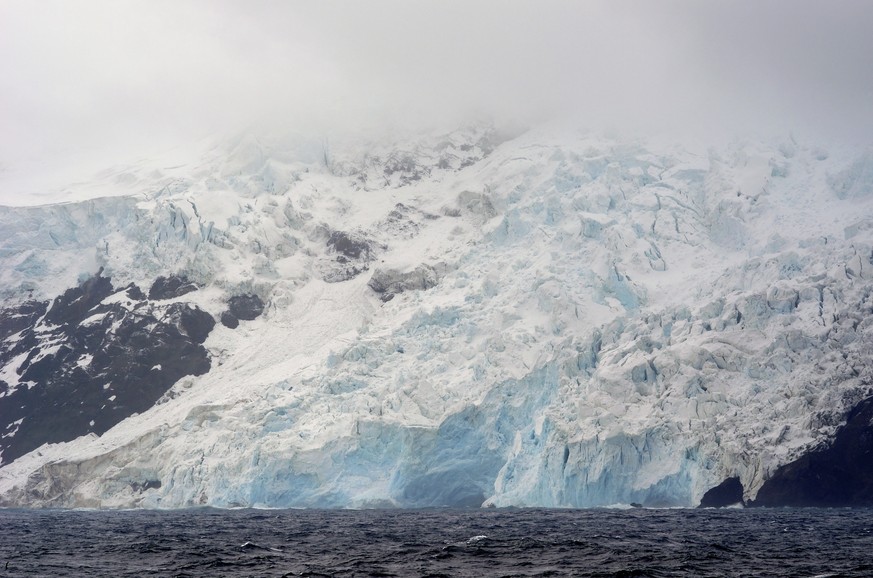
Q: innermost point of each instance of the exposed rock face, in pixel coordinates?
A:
(353, 253)
(193, 322)
(245, 307)
(405, 221)
(92, 358)
(388, 283)
(478, 204)
(17, 319)
(838, 476)
(75, 303)
(348, 245)
(425, 159)
(727, 493)
(171, 287)
(229, 321)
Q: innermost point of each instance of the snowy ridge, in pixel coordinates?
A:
(552, 319)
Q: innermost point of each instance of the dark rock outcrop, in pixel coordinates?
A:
(194, 322)
(404, 221)
(246, 307)
(91, 362)
(349, 246)
(242, 307)
(407, 168)
(388, 283)
(836, 476)
(727, 493)
(76, 302)
(343, 273)
(229, 321)
(134, 292)
(17, 319)
(353, 253)
(171, 287)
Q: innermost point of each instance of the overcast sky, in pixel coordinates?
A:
(111, 77)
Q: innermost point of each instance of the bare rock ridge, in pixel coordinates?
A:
(837, 475)
(171, 287)
(93, 357)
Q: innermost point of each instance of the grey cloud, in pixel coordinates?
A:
(118, 76)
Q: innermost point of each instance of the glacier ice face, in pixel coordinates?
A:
(575, 321)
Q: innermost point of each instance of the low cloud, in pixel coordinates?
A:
(104, 78)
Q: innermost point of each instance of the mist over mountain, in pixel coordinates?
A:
(87, 86)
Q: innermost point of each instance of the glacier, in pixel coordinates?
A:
(544, 317)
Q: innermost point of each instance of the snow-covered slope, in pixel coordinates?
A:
(538, 319)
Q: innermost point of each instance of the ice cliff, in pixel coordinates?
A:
(480, 317)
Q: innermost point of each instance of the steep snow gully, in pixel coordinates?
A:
(474, 318)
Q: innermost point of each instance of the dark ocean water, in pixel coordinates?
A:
(626, 543)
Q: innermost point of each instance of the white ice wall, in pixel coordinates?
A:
(611, 323)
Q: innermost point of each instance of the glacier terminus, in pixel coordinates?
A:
(481, 317)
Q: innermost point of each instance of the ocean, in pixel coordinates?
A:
(435, 542)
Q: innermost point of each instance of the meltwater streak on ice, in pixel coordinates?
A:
(208, 542)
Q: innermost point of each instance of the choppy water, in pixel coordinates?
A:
(437, 543)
